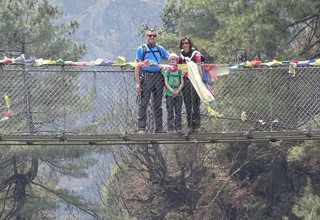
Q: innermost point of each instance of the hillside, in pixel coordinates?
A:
(109, 27)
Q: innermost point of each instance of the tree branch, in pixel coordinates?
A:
(67, 201)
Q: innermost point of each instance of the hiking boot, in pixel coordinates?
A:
(159, 131)
(190, 131)
(141, 132)
(193, 131)
(196, 130)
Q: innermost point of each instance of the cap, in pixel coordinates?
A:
(173, 55)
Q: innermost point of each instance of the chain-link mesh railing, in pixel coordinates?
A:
(268, 99)
(101, 100)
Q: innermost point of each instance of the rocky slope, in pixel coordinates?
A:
(110, 27)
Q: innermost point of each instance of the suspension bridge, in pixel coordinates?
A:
(97, 105)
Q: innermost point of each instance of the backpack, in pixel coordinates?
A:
(145, 51)
(206, 79)
(179, 75)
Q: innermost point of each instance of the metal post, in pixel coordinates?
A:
(28, 97)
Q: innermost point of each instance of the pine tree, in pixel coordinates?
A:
(308, 206)
(30, 175)
(34, 28)
(240, 30)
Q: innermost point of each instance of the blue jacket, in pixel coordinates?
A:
(149, 56)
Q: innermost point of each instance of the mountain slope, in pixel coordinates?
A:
(110, 27)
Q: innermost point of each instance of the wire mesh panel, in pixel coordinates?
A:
(79, 100)
(102, 100)
(268, 99)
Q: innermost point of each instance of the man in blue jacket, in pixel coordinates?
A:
(149, 80)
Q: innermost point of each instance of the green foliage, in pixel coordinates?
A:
(40, 168)
(30, 174)
(308, 153)
(170, 16)
(72, 161)
(239, 30)
(112, 197)
(296, 153)
(42, 193)
(170, 42)
(32, 27)
(37, 206)
(308, 206)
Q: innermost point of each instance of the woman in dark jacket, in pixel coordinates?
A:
(190, 97)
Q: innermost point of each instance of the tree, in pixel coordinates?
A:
(143, 180)
(28, 192)
(308, 206)
(240, 30)
(30, 174)
(33, 28)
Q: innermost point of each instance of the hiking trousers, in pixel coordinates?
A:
(192, 103)
(151, 83)
(174, 106)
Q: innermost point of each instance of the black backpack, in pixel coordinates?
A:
(145, 51)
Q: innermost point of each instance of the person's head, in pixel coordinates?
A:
(173, 58)
(186, 43)
(151, 36)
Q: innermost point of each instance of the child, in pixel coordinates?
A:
(173, 79)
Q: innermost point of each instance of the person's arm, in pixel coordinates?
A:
(181, 84)
(137, 70)
(167, 84)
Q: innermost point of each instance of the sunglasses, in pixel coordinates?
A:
(152, 35)
(185, 43)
